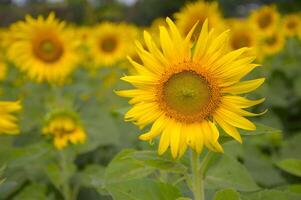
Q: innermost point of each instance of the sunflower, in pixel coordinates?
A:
(242, 34)
(43, 48)
(3, 70)
(8, 122)
(110, 42)
(198, 12)
(265, 19)
(291, 24)
(65, 128)
(272, 44)
(187, 92)
(2, 36)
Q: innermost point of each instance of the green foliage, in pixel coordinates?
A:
(292, 166)
(228, 172)
(143, 189)
(227, 194)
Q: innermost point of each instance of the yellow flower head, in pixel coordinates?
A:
(265, 19)
(110, 43)
(291, 24)
(185, 92)
(198, 12)
(3, 32)
(272, 44)
(3, 69)
(43, 48)
(65, 128)
(8, 122)
(242, 34)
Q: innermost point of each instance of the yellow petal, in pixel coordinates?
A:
(235, 119)
(175, 139)
(242, 102)
(244, 86)
(156, 129)
(164, 140)
(201, 42)
(230, 130)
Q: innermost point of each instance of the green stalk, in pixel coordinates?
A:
(66, 190)
(197, 179)
(199, 173)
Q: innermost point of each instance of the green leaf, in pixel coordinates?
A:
(152, 159)
(1, 172)
(260, 129)
(227, 194)
(123, 167)
(92, 176)
(292, 166)
(100, 128)
(291, 148)
(271, 195)
(229, 173)
(145, 189)
(57, 175)
(33, 191)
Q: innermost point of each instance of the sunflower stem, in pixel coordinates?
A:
(197, 178)
(66, 190)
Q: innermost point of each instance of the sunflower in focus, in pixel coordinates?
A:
(291, 24)
(111, 42)
(187, 93)
(265, 19)
(199, 12)
(8, 122)
(64, 128)
(272, 44)
(43, 48)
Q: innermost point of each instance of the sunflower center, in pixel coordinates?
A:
(271, 40)
(188, 96)
(108, 44)
(48, 50)
(241, 40)
(186, 92)
(291, 25)
(265, 20)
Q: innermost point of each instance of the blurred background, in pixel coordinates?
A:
(32, 167)
(140, 12)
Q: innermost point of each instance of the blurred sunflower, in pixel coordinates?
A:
(291, 24)
(154, 27)
(110, 43)
(187, 92)
(8, 122)
(273, 43)
(65, 128)
(265, 19)
(242, 34)
(198, 12)
(3, 69)
(43, 48)
(82, 34)
(2, 36)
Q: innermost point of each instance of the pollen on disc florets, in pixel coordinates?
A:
(188, 94)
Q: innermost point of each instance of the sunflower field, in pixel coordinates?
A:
(150, 100)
